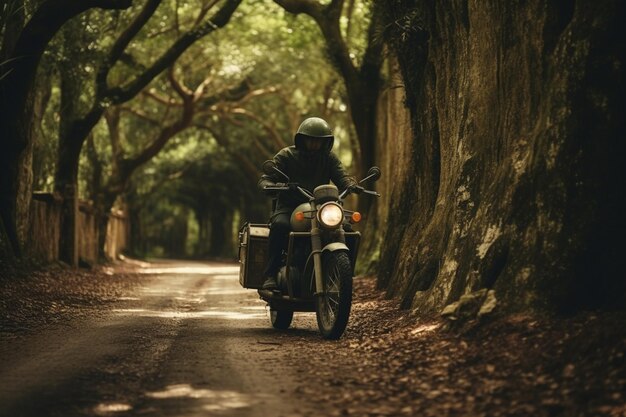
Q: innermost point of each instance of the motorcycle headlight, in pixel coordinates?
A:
(331, 215)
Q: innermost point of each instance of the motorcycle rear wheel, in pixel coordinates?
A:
(281, 319)
(334, 303)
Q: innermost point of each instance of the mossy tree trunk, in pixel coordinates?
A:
(513, 178)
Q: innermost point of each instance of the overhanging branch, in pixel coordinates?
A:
(180, 88)
(273, 133)
(310, 7)
(140, 115)
(121, 43)
(249, 168)
(220, 18)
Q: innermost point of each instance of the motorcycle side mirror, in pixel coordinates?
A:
(372, 174)
(270, 168)
(375, 173)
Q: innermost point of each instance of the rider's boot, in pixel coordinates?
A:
(270, 283)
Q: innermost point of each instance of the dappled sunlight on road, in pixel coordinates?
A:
(195, 300)
(192, 291)
(179, 268)
(226, 277)
(194, 269)
(219, 400)
(187, 340)
(108, 409)
(232, 315)
(226, 291)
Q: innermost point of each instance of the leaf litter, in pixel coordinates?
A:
(391, 362)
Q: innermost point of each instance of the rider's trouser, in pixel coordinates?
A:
(278, 240)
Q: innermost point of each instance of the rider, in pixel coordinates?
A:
(309, 163)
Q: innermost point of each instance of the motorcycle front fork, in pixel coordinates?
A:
(316, 251)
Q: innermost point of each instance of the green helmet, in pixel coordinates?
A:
(316, 128)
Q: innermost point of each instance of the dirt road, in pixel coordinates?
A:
(192, 343)
(183, 339)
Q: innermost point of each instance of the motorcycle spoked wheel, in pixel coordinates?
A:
(334, 303)
(281, 319)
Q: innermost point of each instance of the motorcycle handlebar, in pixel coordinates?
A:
(372, 193)
(303, 191)
(308, 194)
(347, 191)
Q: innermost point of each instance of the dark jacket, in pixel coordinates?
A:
(308, 170)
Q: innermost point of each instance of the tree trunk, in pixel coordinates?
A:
(17, 84)
(103, 204)
(102, 195)
(137, 245)
(513, 179)
(221, 232)
(203, 247)
(362, 84)
(74, 133)
(68, 153)
(12, 149)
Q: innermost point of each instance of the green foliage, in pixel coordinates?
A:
(214, 163)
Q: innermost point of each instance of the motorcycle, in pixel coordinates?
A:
(319, 260)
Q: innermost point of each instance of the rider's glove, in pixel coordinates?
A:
(289, 185)
(356, 189)
(269, 192)
(267, 188)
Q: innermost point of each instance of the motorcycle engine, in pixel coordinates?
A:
(295, 279)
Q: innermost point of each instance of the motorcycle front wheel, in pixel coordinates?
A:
(335, 300)
(281, 319)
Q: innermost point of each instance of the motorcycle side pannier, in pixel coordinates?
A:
(253, 254)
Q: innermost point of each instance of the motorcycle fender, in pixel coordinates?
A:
(335, 246)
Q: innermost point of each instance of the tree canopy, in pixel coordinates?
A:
(115, 88)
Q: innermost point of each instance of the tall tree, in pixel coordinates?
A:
(190, 101)
(22, 50)
(362, 82)
(513, 177)
(75, 131)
